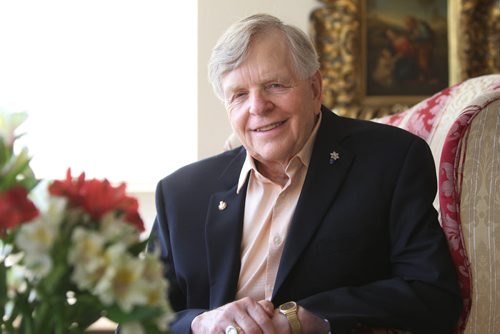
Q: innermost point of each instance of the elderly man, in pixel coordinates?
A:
(316, 224)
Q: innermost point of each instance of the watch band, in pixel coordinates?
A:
(290, 310)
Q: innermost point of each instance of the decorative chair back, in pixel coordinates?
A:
(461, 124)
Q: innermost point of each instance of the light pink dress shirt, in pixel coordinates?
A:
(268, 211)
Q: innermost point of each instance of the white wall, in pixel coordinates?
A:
(147, 209)
(214, 16)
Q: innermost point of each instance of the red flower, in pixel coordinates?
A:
(15, 208)
(98, 198)
(69, 188)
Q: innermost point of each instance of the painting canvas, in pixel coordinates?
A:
(405, 47)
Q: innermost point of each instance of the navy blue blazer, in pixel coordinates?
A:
(364, 247)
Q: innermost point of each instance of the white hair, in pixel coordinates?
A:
(232, 47)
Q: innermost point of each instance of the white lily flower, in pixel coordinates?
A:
(132, 328)
(152, 275)
(87, 256)
(153, 268)
(52, 207)
(36, 240)
(16, 161)
(15, 280)
(39, 265)
(8, 124)
(117, 230)
(122, 283)
(87, 245)
(167, 317)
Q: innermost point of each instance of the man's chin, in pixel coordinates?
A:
(271, 158)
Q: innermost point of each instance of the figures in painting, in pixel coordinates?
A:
(406, 56)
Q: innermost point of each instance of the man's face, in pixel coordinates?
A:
(270, 109)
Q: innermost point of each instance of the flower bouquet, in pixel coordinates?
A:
(71, 253)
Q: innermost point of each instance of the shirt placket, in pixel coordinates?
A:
(277, 235)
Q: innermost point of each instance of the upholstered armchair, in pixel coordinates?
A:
(461, 124)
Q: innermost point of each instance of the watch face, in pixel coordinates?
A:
(287, 306)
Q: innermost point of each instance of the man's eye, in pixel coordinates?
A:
(238, 95)
(276, 86)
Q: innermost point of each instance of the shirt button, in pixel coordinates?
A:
(277, 240)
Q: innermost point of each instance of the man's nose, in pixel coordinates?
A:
(259, 103)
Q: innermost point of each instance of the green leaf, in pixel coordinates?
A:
(138, 248)
(139, 313)
(53, 284)
(9, 179)
(151, 328)
(5, 152)
(44, 317)
(3, 288)
(87, 309)
(9, 238)
(23, 308)
(28, 179)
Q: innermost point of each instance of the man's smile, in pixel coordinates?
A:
(269, 127)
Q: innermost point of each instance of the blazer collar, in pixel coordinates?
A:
(224, 228)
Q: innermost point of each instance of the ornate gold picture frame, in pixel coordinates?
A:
(337, 31)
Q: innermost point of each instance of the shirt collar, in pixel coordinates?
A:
(304, 156)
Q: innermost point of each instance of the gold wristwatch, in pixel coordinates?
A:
(290, 310)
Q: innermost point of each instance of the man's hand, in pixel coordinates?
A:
(251, 316)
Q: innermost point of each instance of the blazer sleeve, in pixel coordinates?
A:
(422, 291)
(159, 238)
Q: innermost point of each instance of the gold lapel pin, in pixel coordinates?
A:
(222, 205)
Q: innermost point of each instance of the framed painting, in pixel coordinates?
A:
(404, 49)
(381, 56)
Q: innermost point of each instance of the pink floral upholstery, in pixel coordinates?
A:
(443, 120)
(420, 119)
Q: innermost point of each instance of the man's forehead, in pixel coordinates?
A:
(236, 79)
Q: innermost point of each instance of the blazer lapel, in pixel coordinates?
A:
(224, 228)
(329, 164)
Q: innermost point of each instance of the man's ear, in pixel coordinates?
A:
(317, 87)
